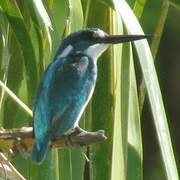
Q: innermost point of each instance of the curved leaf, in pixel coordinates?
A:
(17, 24)
(152, 86)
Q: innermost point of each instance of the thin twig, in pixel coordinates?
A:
(4, 170)
(15, 98)
(16, 173)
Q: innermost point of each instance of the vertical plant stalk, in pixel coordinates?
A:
(154, 47)
(139, 7)
(42, 12)
(86, 13)
(5, 53)
(135, 150)
(153, 89)
(69, 18)
(120, 113)
(45, 19)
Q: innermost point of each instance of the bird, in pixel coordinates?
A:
(67, 85)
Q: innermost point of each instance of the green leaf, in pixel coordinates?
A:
(47, 170)
(159, 28)
(120, 81)
(45, 18)
(135, 152)
(15, 70)
(75, 16)
(58, 11)
(152, 86)
(108, 3)
(154, 46)
(42, 12)
(139, 7)
(17, 24)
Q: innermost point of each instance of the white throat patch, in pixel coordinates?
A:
(96, 50)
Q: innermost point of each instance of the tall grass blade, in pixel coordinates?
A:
(135, 152)
(154, 46)
(17, 24)
(153, 89)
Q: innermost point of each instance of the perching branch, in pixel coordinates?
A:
(22, 138)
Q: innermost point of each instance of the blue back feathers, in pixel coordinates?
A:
(61, 98)
(68, 84)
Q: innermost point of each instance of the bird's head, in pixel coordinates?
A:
(92, 42)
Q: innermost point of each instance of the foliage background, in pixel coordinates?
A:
(27, 46)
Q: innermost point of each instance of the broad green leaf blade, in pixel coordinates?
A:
(139, 7)
(58, 11)
(125, 77)
(160, 27)
(154, 46)
(15, 70)
(135, 152)
(48, 170)
(65, 167)
(42, 12)
(37, 33)
(153, 89)
(45, 18)
(75, 17)
(120, 93)
(4, 57)
(71, 164)
(17, 24)
(108, 3)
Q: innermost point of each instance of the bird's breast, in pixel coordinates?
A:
(75, 83)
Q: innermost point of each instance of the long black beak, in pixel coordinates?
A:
(115, 39)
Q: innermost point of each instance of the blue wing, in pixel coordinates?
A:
(61, 96)
(73, 83)
(42, 115)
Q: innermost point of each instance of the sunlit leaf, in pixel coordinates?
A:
(152, 86)
(135, 154)
(16, 22)
(119, 76)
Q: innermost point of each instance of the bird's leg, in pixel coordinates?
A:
(76, 132)
(80, 131)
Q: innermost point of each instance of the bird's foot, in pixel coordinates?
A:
(79, 137)
(77, 132)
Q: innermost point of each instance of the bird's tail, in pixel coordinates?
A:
(40, 150)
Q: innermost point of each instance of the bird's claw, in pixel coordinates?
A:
(77, 132)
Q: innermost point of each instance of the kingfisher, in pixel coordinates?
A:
(68, 84)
